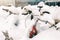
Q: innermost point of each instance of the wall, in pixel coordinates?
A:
(7, 2)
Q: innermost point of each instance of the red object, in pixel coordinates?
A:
(30, 34)
(33, 32)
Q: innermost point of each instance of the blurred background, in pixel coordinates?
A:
(26, 2)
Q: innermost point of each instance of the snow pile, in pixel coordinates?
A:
(18, 22)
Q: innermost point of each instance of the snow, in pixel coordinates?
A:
(50, 34)
(19, 26)
(41, 4)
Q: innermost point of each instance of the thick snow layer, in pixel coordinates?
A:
(19, 26)
(50, 34)
(2, 36)
(48, 17)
